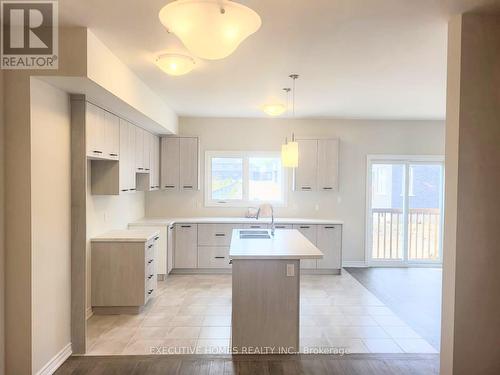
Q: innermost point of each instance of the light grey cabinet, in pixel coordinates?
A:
(154, 165)
(170, 248)
(306, 172)
(329, 241)
(132, 186)
(318, 165)
(186, 246)
(126, 157)
(169, 169)
(139, 150)
(111, 136)
(310, 232)
(95, 131)
(189, 160)
(328, 154)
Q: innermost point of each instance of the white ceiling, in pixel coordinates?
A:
(356, 58)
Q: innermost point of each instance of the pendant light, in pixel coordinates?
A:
(174, 64)
(210, 29)
(290, 150)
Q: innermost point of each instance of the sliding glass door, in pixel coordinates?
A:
(404, 213)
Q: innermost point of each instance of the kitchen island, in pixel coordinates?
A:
(266, 289)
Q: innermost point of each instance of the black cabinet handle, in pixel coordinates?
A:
(140, 169)
(97, 152)
(280, 227)
(113, 154)
(150, 277)
(329, 227)
(327, 188)
(147, 169)
(185, 226)
(220, 257)
(124, 190)
(169, 186)
(305, 227)
(150, 261)
(150, 291)
(157, 238)
(188, 186)
(306, 188)
(133, 189)
(150, 246)
(255, 226)
(219, 234)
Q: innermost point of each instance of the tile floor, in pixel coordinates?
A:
(192, 314)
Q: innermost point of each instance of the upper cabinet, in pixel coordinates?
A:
(149, 178)
(127, 156)
(102, 133)
(318, 165)
(180, 163)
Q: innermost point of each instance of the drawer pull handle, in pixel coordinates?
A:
(97, 152)
(146, 169)
(124, 190)
(188, 186)
(327, 188)
(150, 261)
(113, 154)
(305, 227)
(255, 226)
(157, 238)
(150, 291)
(329, 227)
(150, 246)
(150, 277)
(141, 169)
(134, 189)
(306, 188)
(219, 234)
(220, 257)
(280, 227)
(169, 186)
(185, 226)
(230, 261)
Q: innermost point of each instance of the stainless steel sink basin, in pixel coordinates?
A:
(255, 234)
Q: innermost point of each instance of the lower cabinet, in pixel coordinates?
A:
(213, 257)
(186, 246)
(330, 243)
(162, 249)
(309, 232)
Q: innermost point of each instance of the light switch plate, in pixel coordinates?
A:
(290, 270)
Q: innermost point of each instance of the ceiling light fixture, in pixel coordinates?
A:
(210, 29)
(277, 109)
(290, 150)
(174, 64)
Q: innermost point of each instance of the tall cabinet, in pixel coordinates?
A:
(318, 165)
(180, 163)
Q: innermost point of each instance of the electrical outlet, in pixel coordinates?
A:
(290, 270)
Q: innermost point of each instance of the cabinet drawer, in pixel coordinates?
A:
(283, 226)
(257, 226)
(213, 257)
(214, 234)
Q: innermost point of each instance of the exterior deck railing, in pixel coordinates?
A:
(423, 233)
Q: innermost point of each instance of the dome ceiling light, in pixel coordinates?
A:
(277, 109)
(175, 64)
(210, 29)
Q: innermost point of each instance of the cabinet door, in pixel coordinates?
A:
(147, 151)
(189, 163)
(112, 135)
(170, 148)
(306, 172)
(139, 149)
(330, 243)
(154, 164)
(95, 133)
(310, 232)
(328, 163)
(170, 248)
(131, 183)
(124, 170)
(186, 246)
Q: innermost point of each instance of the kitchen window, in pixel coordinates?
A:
(244, 179)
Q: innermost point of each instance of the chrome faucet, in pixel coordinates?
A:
(267, 210)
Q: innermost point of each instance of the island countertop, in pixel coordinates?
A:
(286, 244)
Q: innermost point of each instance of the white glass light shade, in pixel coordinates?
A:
(210, 29)
(290, 155)
(175, 65)
(274, 109)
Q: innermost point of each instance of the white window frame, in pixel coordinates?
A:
(245, 202)
(405, 160)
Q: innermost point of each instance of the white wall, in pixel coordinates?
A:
(51, 220)
(109, 212)
(358, 138)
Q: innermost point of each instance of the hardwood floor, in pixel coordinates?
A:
(413, 294)
(353, 364)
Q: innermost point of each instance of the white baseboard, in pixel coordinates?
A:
(88, 313)
(56, 361)
(354, 263)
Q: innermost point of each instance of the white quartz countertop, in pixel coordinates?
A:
(127, 235)
(286, 244)
(229, 220)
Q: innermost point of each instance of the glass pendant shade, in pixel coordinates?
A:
(210, 29)
(274, 109)
(175, 65)
(292, 155)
